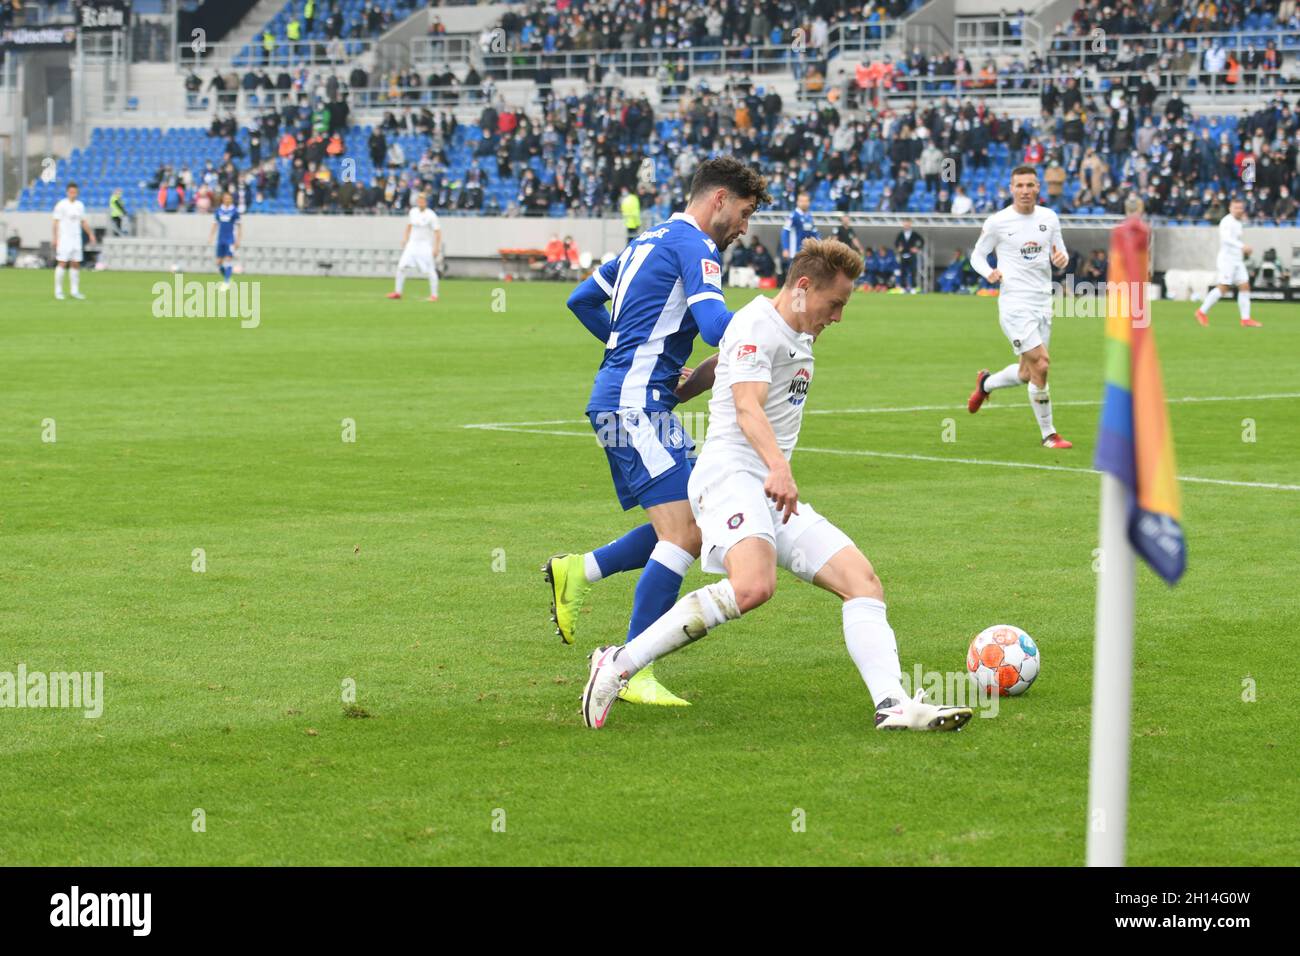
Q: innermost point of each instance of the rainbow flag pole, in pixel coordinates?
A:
(1140, 514)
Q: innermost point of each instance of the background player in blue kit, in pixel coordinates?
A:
(665, 287)
(797, 228)
(227, 229)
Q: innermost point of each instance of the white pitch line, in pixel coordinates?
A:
(1079, 402)
(502, 426)
(905, 456)
(1026, 464)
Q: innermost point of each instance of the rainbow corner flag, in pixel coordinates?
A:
(1135, 443)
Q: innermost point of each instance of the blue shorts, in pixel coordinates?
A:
(224, 250)
(650, 455)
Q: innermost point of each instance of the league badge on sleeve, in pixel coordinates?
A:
(746, 354)
(711, 273)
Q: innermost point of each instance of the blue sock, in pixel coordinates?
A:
(660, 583)
(627, 553)
(227, 271)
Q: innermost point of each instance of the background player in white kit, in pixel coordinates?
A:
(421, 246)
(69, 225)
(1027, 240)
(1231, 267)
(747, 505)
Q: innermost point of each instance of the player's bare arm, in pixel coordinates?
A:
(437, 243)
(697, 380)
(750, 397)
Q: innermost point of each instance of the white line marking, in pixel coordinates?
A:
(961, 408)
(1188, 400)
(1026, 464)
(524, 428)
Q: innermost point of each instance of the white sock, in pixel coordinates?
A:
(74, 280)
(433, 283)
(1243, 302)
(58, 280)
(1008, 377)
(1211, 297)
(592, 567)
(401, 281)
(1040, 400)
(688, 620)
(675, 559)
(873, 647)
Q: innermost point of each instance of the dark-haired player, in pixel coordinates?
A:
(664, 288)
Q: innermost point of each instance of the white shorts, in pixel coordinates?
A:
(416, 258)
(1231, 272)
(68, 252)
(736, 508)
(1026, 329)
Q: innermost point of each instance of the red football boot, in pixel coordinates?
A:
(978, 397)
(1056, 441)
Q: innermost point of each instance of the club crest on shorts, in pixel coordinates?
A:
(736, 520)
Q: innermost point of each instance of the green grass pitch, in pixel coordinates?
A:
(407, 562)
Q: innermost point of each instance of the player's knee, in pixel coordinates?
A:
(753, 590)
(862, 581)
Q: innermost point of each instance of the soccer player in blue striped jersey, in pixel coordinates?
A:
(665, 288)
(227, 229)
(797, 228)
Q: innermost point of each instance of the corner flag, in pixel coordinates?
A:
(1139, 506)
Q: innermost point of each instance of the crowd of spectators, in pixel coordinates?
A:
(557, 26)
(579, 155)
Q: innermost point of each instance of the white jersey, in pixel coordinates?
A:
(1230, 239)
(69, 214)
(758, 346)
(424, 223)
(1024, 245)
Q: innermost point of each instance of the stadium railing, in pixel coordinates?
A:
(1002, 34)
(1086, 50)
(251, 56)
(1031, 85)
(252, 102)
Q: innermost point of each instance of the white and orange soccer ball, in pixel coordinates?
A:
(1005, 659)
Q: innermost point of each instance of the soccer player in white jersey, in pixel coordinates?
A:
(751, 518)
(1231, 267)
(69, 225)
(421, 245)
(1027, 240)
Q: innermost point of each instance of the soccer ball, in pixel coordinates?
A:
(1005, 659)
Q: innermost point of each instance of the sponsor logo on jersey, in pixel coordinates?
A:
(736, 520)
(799, 387)
(711, 273)
(1029, 250)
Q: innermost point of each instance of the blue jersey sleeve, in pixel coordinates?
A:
(789, 238)
(588, 300)
(701, 275)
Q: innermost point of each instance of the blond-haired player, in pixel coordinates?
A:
(421, 246)
(746, 503)
(1027, 240)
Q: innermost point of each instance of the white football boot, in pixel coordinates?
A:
(916, 714)
(602, 688)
